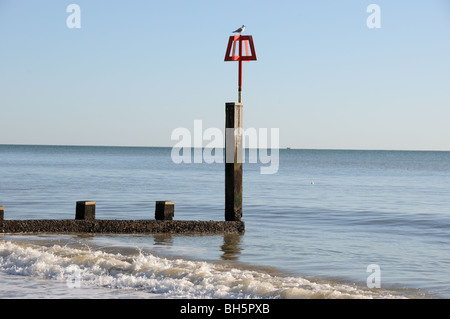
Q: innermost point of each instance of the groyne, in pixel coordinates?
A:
(85, 222)
(120, 226)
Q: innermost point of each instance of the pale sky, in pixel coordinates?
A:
(137, 70)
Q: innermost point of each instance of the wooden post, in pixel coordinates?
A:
(164, 210)
(233, 161)
(85, 210)
(2, 212)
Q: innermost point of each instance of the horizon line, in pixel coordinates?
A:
(279, 148)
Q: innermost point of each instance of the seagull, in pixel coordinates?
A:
(240, 30)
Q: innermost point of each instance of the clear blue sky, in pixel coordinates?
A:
(136, 70)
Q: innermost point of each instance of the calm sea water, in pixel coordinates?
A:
(312, 229)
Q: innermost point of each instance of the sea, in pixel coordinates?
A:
(350, 224)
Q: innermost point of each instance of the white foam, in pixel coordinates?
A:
(178, 278)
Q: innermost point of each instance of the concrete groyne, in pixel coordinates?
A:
(120, 226)
(85, 222)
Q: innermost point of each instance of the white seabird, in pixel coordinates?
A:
(240, 30)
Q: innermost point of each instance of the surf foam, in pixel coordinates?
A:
(85, 268)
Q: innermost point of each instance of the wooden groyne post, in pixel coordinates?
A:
(2, 212)
(85, 210)
(233, 129)
(233, 161)
(164, 210)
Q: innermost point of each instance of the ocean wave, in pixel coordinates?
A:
(83, 267)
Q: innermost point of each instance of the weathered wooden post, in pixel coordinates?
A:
(234, 131)
(2, 212)
(164, 210)
(233, 161)
(85, 210)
